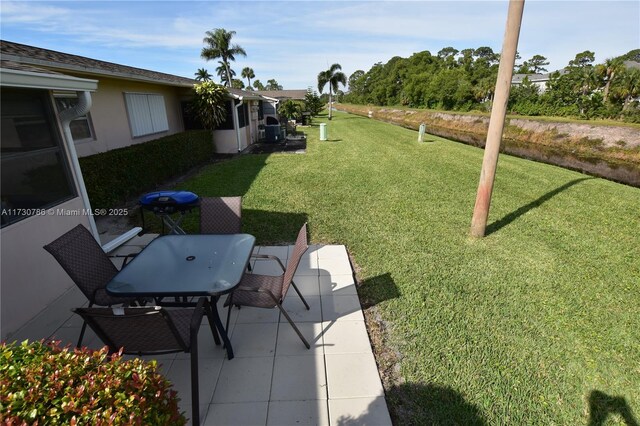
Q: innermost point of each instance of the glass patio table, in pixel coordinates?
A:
(180, 266)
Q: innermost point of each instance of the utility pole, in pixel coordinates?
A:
(496, 122)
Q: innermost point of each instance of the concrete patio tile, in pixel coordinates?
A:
(254, 340)
(352, 376)
(289, 342)
(297, 311)
(341, 308)
(343, 337)
(243, 413)
(334, 266)
(180, 377)
(308, 264)
(282, 252)
(250, 315)
(359, 411)
(307, 284)
(313, 250)
(69, 336)
(207, 347)
(267, 267)
(298, 413)
(298, 378)
(244, 380)
(332, 251)
(337, 285)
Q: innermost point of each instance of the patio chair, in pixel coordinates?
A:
(265, 291)
(153, 331)
(220, 215)
(89, 267)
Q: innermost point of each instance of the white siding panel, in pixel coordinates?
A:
(158, 113)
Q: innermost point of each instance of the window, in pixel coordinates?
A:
(147, 113)
(243, 115)
(81, 127)
(260, 110)
(34, 165)
(227, 124)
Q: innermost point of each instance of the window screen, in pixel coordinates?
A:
(34, 166)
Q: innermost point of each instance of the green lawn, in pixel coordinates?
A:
(538, 323)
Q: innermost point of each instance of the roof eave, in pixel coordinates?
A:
(92, 71)
(36, 80)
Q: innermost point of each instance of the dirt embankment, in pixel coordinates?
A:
(612, 152)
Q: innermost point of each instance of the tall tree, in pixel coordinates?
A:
(537, 64)
(257, 84)
(333, 76)
(237, 84)
(248, 74)
(219, 46)
(202, 75)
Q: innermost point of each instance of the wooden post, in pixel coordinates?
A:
(496, 123)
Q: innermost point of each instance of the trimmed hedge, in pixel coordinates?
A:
(49, 385)
(114, 176)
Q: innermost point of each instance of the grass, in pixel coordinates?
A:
(537, 323)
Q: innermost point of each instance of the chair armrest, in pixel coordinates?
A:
(269, 257)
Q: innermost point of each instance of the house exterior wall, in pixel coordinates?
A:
(31, 278)
(111, 122)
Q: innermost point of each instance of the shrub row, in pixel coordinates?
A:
(114, 176)
(45, 384)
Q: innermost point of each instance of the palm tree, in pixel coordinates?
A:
(203, 75)
(223, 72)
(609, 70)
(257, 84)
(248, 74)
(219, 47)
(333, 76)
(629, 86)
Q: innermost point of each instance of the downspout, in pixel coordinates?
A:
(66, 116)
(237, 122)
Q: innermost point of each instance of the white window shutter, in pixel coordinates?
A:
(147, 113)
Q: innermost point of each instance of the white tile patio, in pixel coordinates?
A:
(273, 379)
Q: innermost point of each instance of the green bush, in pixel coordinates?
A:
(114, 176)
(45, 384)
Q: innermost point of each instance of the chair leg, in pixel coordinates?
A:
(195, 390)
(295, 287)
(82, 330)
(208, 310)
(228, 317)
(293, 325)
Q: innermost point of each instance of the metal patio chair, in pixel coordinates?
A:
(265, 291)
(220, 215)
(153, 331)
(89, 267)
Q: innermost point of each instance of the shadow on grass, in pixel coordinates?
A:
(506, 220)
(377, 289)
(417, 404)
(272, 228)
(601, 406)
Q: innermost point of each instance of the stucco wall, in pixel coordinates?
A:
(30, 277)
(110, 120)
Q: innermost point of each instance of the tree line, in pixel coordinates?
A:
(465, 80)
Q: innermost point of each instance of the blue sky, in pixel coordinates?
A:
(293, 41)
